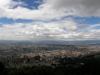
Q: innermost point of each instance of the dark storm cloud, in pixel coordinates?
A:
(79, 7)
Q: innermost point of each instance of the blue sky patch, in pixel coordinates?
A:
(30, 4)
(11, 21)
(87, 20)
(79, 20)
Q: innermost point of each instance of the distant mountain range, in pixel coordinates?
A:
(52, 42)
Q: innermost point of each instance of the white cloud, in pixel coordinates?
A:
(53, 30)
(63, 30)
(44, 11)
(51, 9)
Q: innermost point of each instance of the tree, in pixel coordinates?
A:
(2, 68)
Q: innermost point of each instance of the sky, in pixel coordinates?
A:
(50, 19)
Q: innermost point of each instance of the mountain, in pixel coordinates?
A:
(51, 42)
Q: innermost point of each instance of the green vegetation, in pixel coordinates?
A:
(90, 66)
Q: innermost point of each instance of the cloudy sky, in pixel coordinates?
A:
(49, 19)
